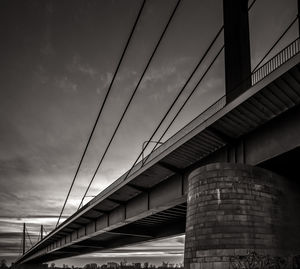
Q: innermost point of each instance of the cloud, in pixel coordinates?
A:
(15, 210)
(40, 75)
(8, 246)
(10, 243)
(167, 76)
(11, 235)
(76, 66)
(22, 218)
(66, 84)
(105, 80)
(47, 49)
(138, 253)
(155, 252)
(11, 139)
(180, 239)
(17, 164)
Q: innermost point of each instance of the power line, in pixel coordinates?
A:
(102, 106)
(131, 98)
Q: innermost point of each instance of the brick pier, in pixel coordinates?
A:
(233, 208)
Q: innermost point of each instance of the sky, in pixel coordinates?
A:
(57, 61)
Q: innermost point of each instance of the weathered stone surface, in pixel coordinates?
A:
(233, 208)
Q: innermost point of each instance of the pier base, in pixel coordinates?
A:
(235, 211)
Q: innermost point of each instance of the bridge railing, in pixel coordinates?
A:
(256, 76)
(280, 58)
(275, 62)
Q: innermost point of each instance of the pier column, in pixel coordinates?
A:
(235, 208)
(237, 47)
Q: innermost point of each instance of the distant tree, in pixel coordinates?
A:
(3, 264)
(52, 265)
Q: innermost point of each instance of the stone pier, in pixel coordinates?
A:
(237, 208)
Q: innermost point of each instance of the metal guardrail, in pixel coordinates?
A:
(266, 69)
(275, 62)
(280, 58)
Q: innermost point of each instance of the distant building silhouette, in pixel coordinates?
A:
(112, 265)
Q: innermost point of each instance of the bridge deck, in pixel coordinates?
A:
(136, 208)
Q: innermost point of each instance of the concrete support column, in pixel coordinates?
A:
(237, 47)
(237, 208)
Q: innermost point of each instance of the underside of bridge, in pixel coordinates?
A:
(165, 223)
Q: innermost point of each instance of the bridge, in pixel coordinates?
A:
(228, 179)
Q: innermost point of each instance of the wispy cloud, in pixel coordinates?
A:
(66, 84)
(40, 74)
(105, 80)
(167, 77)
(77, 66)
(47, 49)
(168, 247)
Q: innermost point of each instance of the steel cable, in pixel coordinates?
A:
(131, 98)
(102, 106)
(168, 127)
(128, 173)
